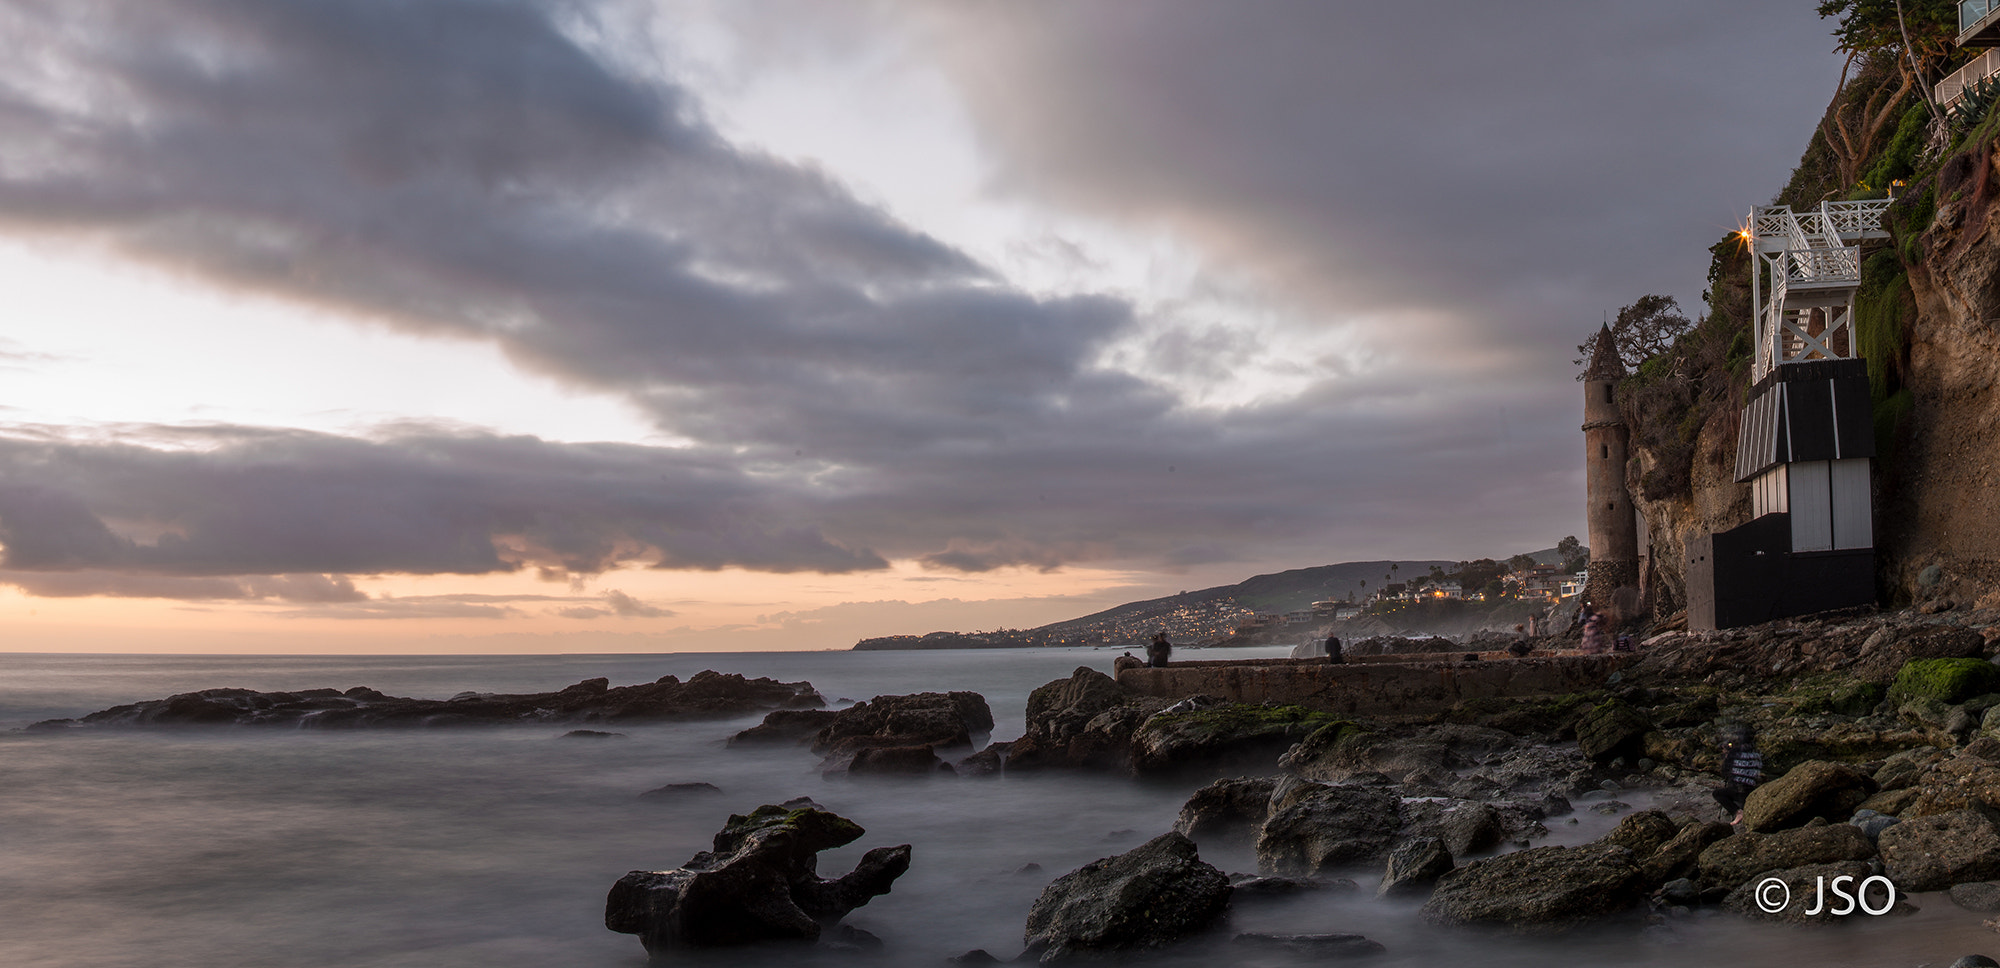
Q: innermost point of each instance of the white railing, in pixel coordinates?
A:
(1949, 90)
(1817, 250)
(1819, 268)
(1971, 12)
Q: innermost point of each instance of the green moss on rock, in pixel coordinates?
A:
(1945, 680)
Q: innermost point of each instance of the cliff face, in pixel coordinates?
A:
(1938, 492)
(1714, 503)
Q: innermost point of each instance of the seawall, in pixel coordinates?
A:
(1380, 686)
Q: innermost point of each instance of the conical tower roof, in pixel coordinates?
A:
(1604, 362)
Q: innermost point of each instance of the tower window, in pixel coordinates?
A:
(1607, 393)
(1604, 451)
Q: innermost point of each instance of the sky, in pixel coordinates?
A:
(568, 326)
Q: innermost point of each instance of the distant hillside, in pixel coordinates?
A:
(1264, 594)
(1197, 616)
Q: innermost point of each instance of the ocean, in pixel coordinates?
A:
(494, 847)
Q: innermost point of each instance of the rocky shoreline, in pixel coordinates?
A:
(1880, 732)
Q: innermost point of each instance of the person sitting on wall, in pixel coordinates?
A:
(1158, 651)
(1333, 649)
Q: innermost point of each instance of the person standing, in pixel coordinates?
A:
(1742, 770)
(1158, 651)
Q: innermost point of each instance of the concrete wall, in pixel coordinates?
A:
(1376, 688)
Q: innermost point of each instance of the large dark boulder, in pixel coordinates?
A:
(1642, 832)
(1083, 722)
(1935, 852)
(1330, 828)
(1539, 890)
(1462, 826)
(757, 884)
(1414, 867)
(1613, 729)
(1680, 856)
(1227, 811)
(785, 726)
(936, 719)
(708, 695)
(1733, 861)
(1817, 788)
(1220, 736)
(1147, 897)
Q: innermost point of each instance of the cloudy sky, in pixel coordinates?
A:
(556, 325)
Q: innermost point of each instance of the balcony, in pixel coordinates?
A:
(1979, 23)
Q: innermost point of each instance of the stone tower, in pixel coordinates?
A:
(1614, 528)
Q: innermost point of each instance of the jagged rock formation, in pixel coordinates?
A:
(757, 885)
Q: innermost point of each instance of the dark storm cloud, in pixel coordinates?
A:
(856, 390)
(259, 502)
(1530, 163)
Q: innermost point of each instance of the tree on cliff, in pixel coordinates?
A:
(1642, 331)
(1915, 35)
(1575, 556)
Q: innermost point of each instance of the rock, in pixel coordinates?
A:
(591, 734)
(1830, 791)
(1948, 681)
(1330, 828)
(708, 695)
(1342, 751)
(1414, 867)
(1227, 811)
(1258, 885)
(977, 956)
(1935, 852)
(757, 884)
(1539, 890)
(1680, 891)
(1464, 826)
(935, 719)
(1083, 722)
(888, 760)
(1148, 897)
(1679, 857)
(1288, 789)
(1871, 823)
(1982, 897)
(1312, 945)
(1611, 730)
(1975, 961)
(1642, 833)
(1906, 768)
(1733, 861)
(1891, 802)
(785, 726)
(1763, 901)
(1229, 735)
(987, 762)
(675, 791)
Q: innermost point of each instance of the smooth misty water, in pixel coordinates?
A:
(494, 847)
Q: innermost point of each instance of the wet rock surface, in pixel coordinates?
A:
(1148, 897)
(757, 885)
(1540, 890)
(707, 695)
